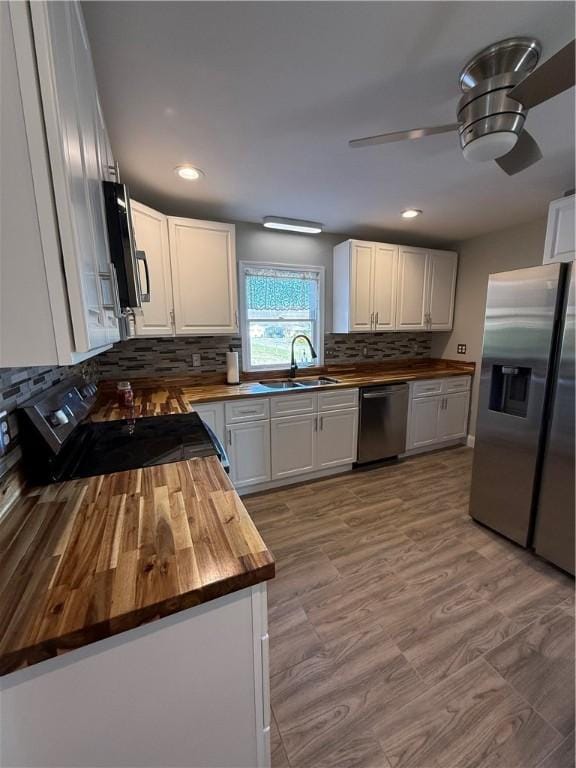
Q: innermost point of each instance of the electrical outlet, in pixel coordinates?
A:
(5, 436)
(196, 360)
(461, 349)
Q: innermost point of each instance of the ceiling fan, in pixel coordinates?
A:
(500, 84)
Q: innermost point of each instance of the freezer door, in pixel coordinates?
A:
(521, 315)
(554, 536)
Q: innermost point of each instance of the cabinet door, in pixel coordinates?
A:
(424, 421)
(385, 265)
(453, 416)
(559, 244)
(293, 441)
(337, 438)
(361, 287)
(442, 287)
(70, 105)
(154, 318)
(248, 448)
(411, 309)
(213, 415)
(202, 254)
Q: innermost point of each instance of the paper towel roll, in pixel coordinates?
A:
(232, 368)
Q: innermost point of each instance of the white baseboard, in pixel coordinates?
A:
(470, 440)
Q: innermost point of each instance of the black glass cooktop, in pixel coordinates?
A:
(115, 446)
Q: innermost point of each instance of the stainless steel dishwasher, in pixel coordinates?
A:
(383, 416)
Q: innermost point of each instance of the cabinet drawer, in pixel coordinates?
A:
(335, 401)
(456, 384)
(247, 410)
(292, 405)
(427, 388)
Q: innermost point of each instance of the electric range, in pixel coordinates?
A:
(59, 442)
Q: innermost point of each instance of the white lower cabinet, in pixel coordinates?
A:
(319, 432)
(337, 438)
(424, 412)
(203, 672)
(453, 416)
(293, 445)
(248, 447)
(438, 412)
(213, 415)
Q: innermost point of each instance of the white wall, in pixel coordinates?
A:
(513, 248)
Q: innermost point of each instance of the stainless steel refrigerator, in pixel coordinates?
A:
(523, 469)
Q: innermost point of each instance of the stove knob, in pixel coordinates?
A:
(58, 418)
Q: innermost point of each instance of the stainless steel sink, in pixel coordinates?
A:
(320, 382)
(296, 384)
(279, 384)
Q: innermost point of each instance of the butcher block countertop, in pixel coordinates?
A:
(87, 559)
(156, 396)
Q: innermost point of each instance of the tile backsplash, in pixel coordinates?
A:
(148, 357)
(163, 357)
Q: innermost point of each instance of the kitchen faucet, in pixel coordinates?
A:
(293, 366)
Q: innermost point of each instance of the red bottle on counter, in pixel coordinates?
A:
(125, 394)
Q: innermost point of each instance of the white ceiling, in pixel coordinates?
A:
(263, 96)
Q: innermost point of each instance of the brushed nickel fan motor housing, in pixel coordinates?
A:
(486, 80)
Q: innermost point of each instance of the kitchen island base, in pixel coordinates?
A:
(189, 690)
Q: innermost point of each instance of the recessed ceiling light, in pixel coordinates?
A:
(411, 213)
(188, 172)
(292, 225)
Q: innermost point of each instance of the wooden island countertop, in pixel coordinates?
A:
(154, 397)
(86, 559)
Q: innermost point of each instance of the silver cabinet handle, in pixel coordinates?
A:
(229, 436)
(321, 423)
(315, 423)
(236, 318)
(376, 321)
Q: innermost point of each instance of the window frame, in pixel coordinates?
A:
(244, 323)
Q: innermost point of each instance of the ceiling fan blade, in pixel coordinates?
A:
(415, 133)
(552, 77)
(525, 153)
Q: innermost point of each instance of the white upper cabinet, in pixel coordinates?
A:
(385, 266)
(364, 286)
(55, 149)
(413, 282)
(72, 117)
(203, 259)
(381, 287)
(192, 270)
(361, 256)
(441, 289)
(559, 244)
(155, 317)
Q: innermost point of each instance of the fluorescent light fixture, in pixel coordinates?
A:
(292, 225)
(188, 172)
(411, 213)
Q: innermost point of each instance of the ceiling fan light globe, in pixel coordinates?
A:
(490, 146)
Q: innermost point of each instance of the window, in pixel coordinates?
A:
(279, 302)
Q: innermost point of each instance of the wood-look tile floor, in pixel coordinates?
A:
(405, 635)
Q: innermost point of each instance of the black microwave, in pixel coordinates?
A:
(126, 260)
